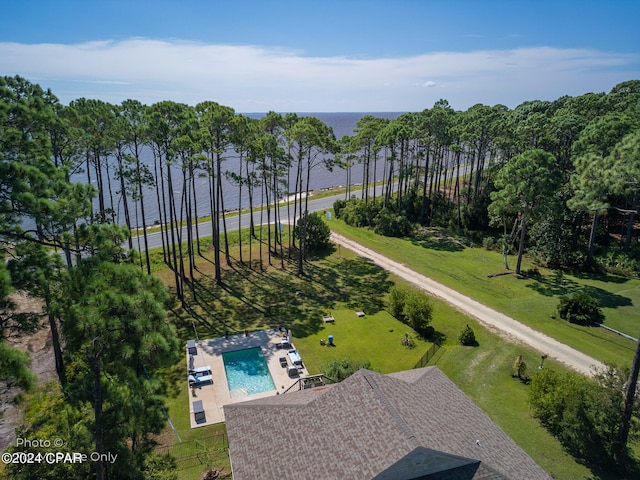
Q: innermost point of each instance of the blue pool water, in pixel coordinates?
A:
(247, 372)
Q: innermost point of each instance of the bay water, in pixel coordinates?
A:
(321, 178)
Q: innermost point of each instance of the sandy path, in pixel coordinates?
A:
(505, 326)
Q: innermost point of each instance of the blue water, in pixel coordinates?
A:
(247, 372)
(341, 123)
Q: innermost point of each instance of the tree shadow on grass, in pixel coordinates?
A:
(601, 277)
(632, 471)
(557, 286)
(322, 254)
(358, 283)
(436, 240)
(621, 344)
(551, 286)
(253, 299)
(256, 299)
(311, 326)
(171, 380)
(438, 244)
(365, 284)
(439, 337)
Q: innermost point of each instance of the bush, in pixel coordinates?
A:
(391, 224)
(338, 206)
(467, 337)
(338, 370)
(317, 232)
(490, 243)
(520, 369)
(418, 312)
(580, 308)
(615, 260)
(582, 413)
(397, 297)
(412, 308)
(357, 213)
(407, 341)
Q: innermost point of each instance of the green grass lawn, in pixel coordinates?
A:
(531, 300)
(376, 338)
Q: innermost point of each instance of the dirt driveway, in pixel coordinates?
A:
(503, 325)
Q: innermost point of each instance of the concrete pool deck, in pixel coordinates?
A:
(215, 395)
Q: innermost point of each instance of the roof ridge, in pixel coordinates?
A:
(388, 405)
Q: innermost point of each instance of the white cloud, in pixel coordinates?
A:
(252, 78)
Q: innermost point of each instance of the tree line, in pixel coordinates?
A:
(434, 167)
(105, 142)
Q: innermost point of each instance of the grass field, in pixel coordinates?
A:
(376, 337)
(342, 283)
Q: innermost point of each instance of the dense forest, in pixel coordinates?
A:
(558, 180)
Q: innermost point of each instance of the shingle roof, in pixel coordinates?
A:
(406, 425)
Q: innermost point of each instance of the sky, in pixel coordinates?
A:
(321, 55)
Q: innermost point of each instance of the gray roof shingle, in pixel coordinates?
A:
(405, 425)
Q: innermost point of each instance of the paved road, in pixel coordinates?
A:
(319, 204)
(505, 326)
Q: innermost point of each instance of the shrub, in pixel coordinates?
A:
(317, 232)
(467, 337)
(397, 297)
(615, 260)
(391, 224)
(357, 213)
(580, 308)
(338, 206)
(340, 369)
(418, 312)
(490, 243)
(582, 413)
(520, 369)
(412, 308)
(407, 341)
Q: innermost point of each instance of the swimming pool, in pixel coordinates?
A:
(247, 372)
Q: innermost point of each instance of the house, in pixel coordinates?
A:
(414, 424)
